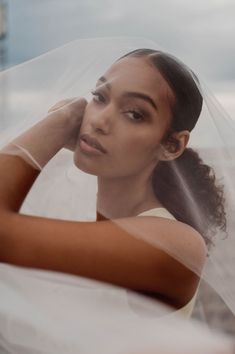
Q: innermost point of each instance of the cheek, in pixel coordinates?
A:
(144, 142)
(138, 151)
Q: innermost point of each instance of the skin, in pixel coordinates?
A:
(106, 250)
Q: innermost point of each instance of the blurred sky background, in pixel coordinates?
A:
(201, 33)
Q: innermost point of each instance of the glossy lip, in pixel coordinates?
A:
(91, 144)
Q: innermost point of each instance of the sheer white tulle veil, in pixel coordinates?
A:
(46, 312)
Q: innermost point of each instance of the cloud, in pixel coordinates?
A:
(200, 32)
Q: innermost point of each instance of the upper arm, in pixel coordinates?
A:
(126, 252)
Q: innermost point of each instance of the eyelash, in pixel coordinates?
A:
(99, 98)
(96, 95)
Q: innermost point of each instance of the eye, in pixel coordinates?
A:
(97, 96)
(135, 115)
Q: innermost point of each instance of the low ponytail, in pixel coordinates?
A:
(182, 184)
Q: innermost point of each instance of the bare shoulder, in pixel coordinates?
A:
(185, 240)
(171, 235)
(179, 252)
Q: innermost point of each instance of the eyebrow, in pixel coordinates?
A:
(104, 80)
(131, 94)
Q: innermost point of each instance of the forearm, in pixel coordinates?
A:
(41, 142)
(16, 179)
(18, 173)
(106, 251)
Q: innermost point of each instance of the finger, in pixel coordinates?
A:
(78, 104)
(60, 104)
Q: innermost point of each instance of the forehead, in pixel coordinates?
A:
(139, 74)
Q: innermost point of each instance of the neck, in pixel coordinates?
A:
(125, 196)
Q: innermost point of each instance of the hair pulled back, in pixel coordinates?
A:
(185, 186)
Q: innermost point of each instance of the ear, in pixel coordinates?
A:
(174, 146)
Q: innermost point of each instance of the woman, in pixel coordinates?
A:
(132, 135)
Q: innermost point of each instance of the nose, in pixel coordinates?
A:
(102, 120)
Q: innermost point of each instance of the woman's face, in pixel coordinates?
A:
(128, 115)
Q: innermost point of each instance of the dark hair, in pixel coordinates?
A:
(182, 184)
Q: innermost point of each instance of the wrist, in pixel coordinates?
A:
(41, 142)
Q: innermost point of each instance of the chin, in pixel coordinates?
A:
(84, 165)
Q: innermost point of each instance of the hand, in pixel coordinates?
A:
(73, 109)
(58, 129)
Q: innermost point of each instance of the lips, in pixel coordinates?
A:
(92, 142)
